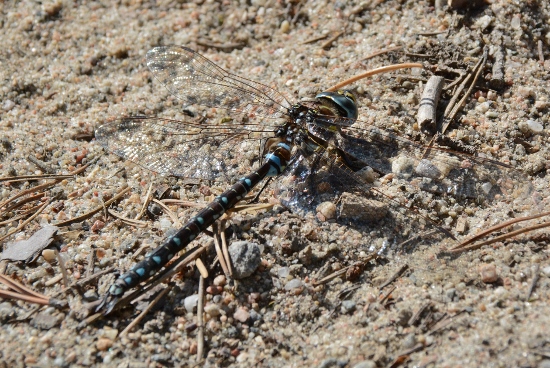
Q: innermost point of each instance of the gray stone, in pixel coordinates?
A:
(245, 258)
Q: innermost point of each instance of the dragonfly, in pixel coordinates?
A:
(317, 151)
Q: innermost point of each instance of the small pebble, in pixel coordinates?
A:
(214, 290)
(348, 306)
(8, 105)
(190, 303)
(103, 344)
(283, 272)
(220, 280)
(365, 364)
(241, 315)
(327, 210)
(483, 107)
(293, 284)
(409, 341)
(212, 309)
(48, 254)
(488, 273)
(285, 26)
(245, 257)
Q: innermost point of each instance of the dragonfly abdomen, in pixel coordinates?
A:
(275, 162)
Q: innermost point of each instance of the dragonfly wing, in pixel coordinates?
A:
(196, 80)
(172, 147)
(434, 169)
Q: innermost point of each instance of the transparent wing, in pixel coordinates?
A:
(396, 180)
(193, 150)
(433, 169)
(196, 80)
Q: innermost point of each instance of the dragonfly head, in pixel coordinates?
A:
(339, 103)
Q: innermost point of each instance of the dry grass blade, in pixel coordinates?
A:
(21, 292)
(169, 212)
(145, 311)
(372, 72)
(20, 216)
(148, 198)
(343, 271)
(462, 246)
(23, 201)
(501, 238)
(37, 188)
(95, 210)
(13, 179)
(127, 221)
(183, 203)
(217, 230)
(24, 223)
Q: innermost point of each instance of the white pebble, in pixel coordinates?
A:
(293, 284)
(534, 126)
(190, 303)
(8, 105)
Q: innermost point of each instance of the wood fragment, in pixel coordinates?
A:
(404, 356)
(343, 271)
(54, 280)
(202, 268)
(40, 164)
(225, 251)
(536, 277)
(387, 295)
(200, 319)
(62, 267)
(541, 54)
(427, 111)
(497, 74)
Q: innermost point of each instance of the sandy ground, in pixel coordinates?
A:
(67, 68)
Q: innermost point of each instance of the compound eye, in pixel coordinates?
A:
(343, 100)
